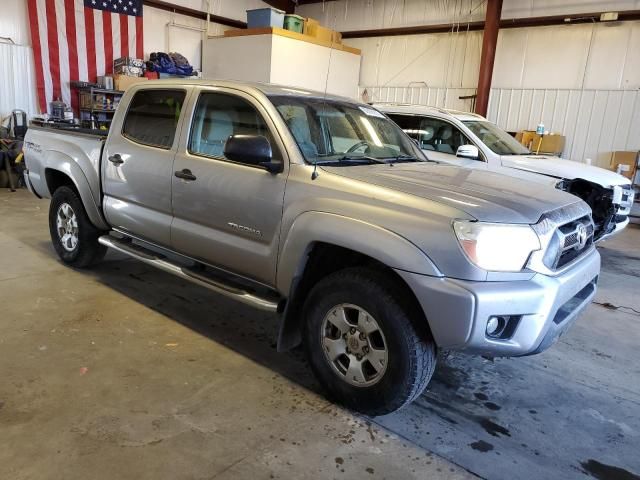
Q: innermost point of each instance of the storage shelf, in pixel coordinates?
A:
(102, 90)
(100, 110)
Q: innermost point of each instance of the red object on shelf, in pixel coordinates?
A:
(152, 75)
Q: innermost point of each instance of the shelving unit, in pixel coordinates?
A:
(97, 104)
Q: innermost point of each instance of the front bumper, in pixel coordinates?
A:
(545, 306)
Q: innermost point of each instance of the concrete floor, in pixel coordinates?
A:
(126, 372)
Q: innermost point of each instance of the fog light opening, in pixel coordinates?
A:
(495, 326)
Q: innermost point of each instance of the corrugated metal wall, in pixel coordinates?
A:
(595, 122)
(421, 95)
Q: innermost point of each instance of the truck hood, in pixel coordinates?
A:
(486, 196)
(567, 169)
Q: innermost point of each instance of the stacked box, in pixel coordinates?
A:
(128, 62)
(134, 67)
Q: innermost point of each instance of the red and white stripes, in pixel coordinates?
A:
(72, 42)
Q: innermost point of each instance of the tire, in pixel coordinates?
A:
(85, 250)
(366, 295)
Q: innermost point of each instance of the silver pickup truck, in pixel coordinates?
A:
(322, 210)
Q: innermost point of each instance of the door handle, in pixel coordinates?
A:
(116, 159)
(185, 174)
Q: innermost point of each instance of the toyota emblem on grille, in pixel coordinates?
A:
(582, 236)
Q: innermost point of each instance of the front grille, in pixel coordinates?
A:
(569, 242)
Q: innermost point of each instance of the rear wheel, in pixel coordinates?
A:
(74, 237)
(364, 342)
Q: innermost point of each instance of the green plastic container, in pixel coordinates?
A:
(295, 23)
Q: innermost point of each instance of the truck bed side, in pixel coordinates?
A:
(53, 156)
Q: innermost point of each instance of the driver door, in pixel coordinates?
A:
(227, 213)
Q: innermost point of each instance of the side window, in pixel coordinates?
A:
(153, 116)
(219, 116)
(296, 119)
(409, 123)
(441, 136)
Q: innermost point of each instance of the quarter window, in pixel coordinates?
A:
(153, 117)
(218, 117)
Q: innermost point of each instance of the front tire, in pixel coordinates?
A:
(74, 237)
(368, 348)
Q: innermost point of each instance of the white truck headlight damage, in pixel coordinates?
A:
(496, 246)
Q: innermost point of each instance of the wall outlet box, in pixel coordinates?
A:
(609, 17)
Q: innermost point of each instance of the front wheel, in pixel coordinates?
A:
(364, 342)
(74, 237)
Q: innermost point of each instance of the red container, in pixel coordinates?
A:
(151, 75)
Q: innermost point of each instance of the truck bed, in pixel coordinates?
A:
(76, 148)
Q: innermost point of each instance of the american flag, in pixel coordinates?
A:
(78, 40)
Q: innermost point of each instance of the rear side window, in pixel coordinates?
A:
(153, 116)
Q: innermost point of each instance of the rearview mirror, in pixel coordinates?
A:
(468, 151)
(253, 150)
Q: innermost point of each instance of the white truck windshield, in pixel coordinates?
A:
(495, 138)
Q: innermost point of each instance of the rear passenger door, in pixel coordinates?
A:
(137, 165)
(227, 213)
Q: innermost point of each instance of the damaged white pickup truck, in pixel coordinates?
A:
(471, 141)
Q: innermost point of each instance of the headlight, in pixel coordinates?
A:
(496, 246)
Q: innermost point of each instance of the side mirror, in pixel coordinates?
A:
(468, 151)
(251, 149)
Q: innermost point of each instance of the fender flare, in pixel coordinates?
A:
(371, 240)
(64, 164)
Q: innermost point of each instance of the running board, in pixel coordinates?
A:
(217, 285)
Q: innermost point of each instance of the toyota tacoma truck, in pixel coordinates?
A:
(469, 140)
(323, 211)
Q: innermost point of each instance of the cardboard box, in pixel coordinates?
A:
(310, 23)
(552, 144)
(122, 82)
(628, 158)
(525, 137)
(128, 62)
(314, 29)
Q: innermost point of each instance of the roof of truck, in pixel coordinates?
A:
(391, 107)
(266, 88)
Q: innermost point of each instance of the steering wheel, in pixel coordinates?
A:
(356, 146)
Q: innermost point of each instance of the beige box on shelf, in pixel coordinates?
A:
(552, 144)
(122, 82)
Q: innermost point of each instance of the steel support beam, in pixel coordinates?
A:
(190, 12)
(572, 19)
(488, 55)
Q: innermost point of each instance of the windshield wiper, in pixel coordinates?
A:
(405, 158)
(352, 160)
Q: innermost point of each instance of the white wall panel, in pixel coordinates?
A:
(346, 15)
(17, 80)
(444, 59)
(631, 75)
(14, 22)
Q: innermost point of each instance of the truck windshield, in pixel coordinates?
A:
(495, 138)
(329, 131)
